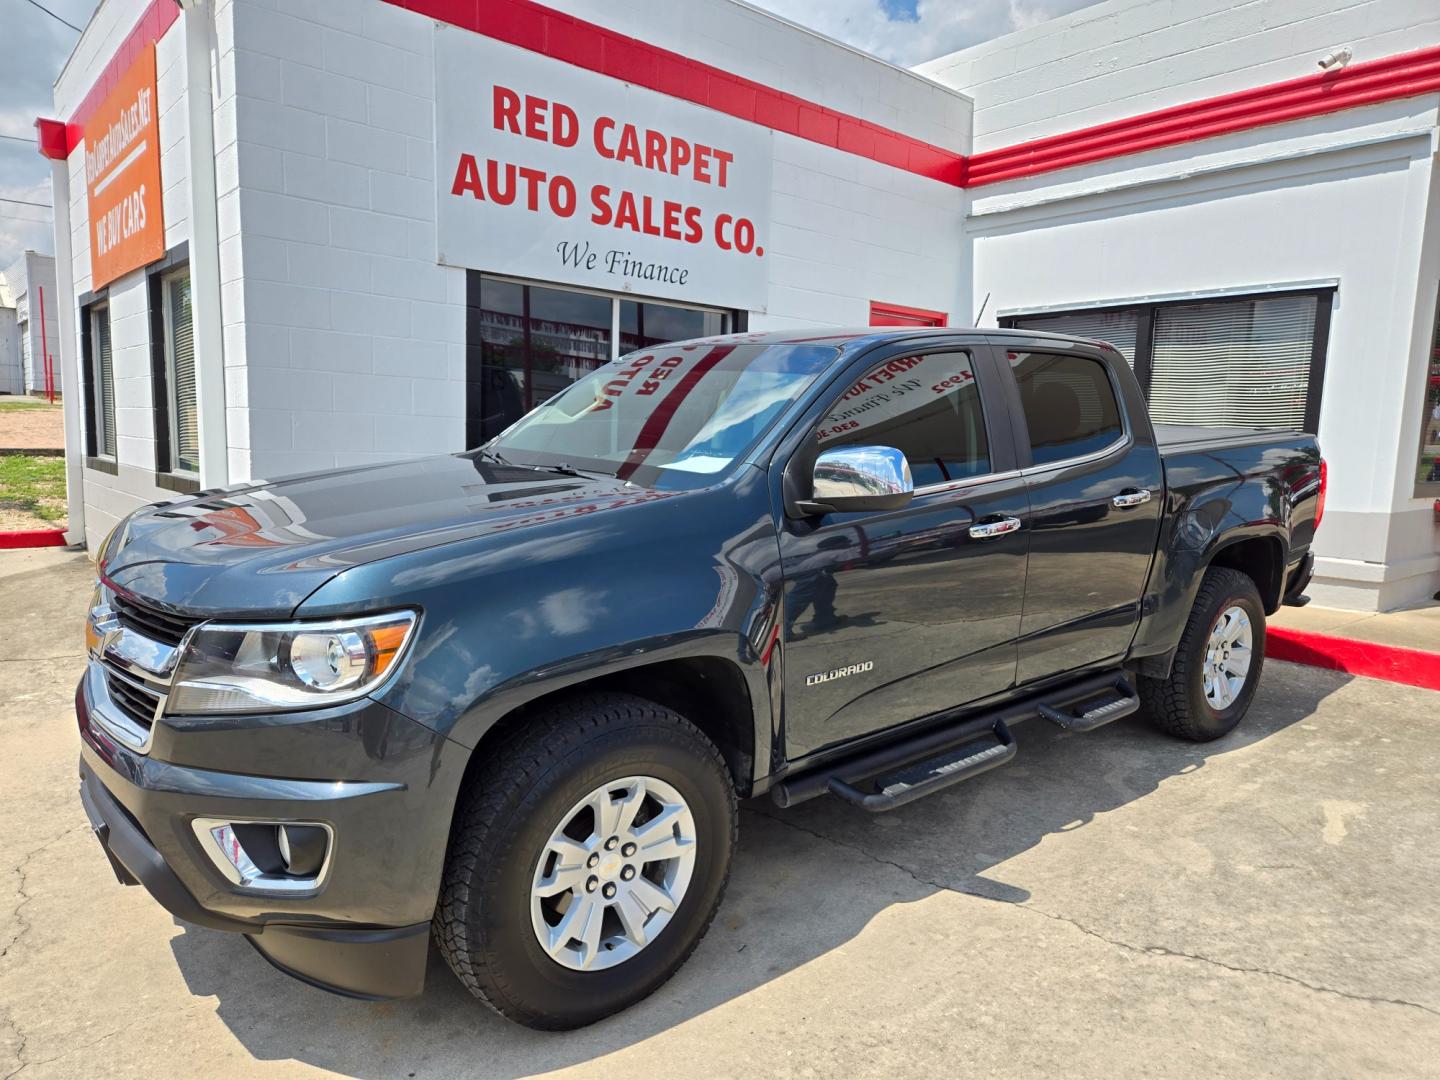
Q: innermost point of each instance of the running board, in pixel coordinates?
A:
(1120, 701)
(994, 747)
(897, 767)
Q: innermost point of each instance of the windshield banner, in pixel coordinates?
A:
(547, 171)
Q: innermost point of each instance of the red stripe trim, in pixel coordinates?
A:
(1367, 83)
(532, 26)
(1413, 667)
(157, 18)
(587, 45)
(33, 538)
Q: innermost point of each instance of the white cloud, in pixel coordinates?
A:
(940, 26)
(23, 225)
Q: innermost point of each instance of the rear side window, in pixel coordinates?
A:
(1069, 405)
(927, 407)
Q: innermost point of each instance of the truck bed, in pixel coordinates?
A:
(1189, 438)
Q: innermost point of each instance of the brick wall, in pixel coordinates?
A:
(109, 497)
(353, 338)
(1124, 57)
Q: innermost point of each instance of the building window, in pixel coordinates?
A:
(177, 428)
(525, 343)
(643, 325)
(99, 381)
(1255, 361)
(1069, 405)
(1119, 326)
(1427, 474)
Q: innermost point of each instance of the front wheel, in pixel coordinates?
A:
(1218, 662)
(587, 861)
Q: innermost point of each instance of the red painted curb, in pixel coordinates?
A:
(1413, 667)
(33, 538)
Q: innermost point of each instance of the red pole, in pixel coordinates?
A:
(45, 350)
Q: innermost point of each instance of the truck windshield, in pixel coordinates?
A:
(672, 416)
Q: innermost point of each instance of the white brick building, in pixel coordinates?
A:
(1335, 211)
(371, 228)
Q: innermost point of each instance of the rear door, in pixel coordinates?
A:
(1093, 477)
(895, 615)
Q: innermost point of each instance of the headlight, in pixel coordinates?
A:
(259, 667)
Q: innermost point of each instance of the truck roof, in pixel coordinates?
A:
(855, 336)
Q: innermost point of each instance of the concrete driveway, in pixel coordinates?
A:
(1111, 905)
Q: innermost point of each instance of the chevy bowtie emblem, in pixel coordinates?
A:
(839, 673)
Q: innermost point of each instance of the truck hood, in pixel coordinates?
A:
(260, 550)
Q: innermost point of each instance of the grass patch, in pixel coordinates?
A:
(33, 485)
(23, 404)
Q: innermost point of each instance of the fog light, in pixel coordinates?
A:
(273, 856)
(303, 849)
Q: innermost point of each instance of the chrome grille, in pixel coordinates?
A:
(150, 622)
(132, 697)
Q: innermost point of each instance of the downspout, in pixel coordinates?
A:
(66, 317)
(205, 313)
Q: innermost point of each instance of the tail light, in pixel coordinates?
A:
(1320, 499)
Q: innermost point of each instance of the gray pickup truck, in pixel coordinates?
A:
(508, 698)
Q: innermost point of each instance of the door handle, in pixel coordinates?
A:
(1127, 499)
(994, 528)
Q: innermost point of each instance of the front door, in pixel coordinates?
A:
(1095, 487)
(895, 615)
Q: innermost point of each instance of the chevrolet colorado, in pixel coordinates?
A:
(509, 697)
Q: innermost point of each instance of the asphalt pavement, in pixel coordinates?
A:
(1110, 905)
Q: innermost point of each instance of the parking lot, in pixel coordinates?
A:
(1111, 905)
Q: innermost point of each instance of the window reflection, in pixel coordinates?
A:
(526, 343)
(643, 325)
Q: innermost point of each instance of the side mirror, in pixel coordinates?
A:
(851, 478)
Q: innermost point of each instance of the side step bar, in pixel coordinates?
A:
(1120, 701)
(912, 766)
(994, 747)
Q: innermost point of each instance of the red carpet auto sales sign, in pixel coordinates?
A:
(547, 171)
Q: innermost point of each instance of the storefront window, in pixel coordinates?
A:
(1254, 361)
(643, 325)
(1427, 475)
(526, 343)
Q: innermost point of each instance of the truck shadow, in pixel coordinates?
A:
(806, 881)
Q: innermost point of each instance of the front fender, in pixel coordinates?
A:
(508, 619)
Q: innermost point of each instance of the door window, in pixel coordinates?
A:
(1069, 405)
(927, 407)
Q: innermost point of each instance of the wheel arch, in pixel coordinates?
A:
(1258, 554)
(710, 692)
(1260, 558)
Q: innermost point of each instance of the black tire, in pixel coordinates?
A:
(1177, 704)
(516, 799)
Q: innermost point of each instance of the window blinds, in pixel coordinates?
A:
(104, 383)
(184, 422)
(1119, 328)
(1243, 362)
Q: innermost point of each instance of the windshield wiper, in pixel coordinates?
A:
(566, 469)
(560, 468)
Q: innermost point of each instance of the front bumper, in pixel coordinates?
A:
(364, 930)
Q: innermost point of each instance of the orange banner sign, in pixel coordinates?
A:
(122, 176)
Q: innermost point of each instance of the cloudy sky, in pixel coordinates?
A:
(33, 46)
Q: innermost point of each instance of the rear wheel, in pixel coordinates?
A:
(1217, 665)
(587, 861)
